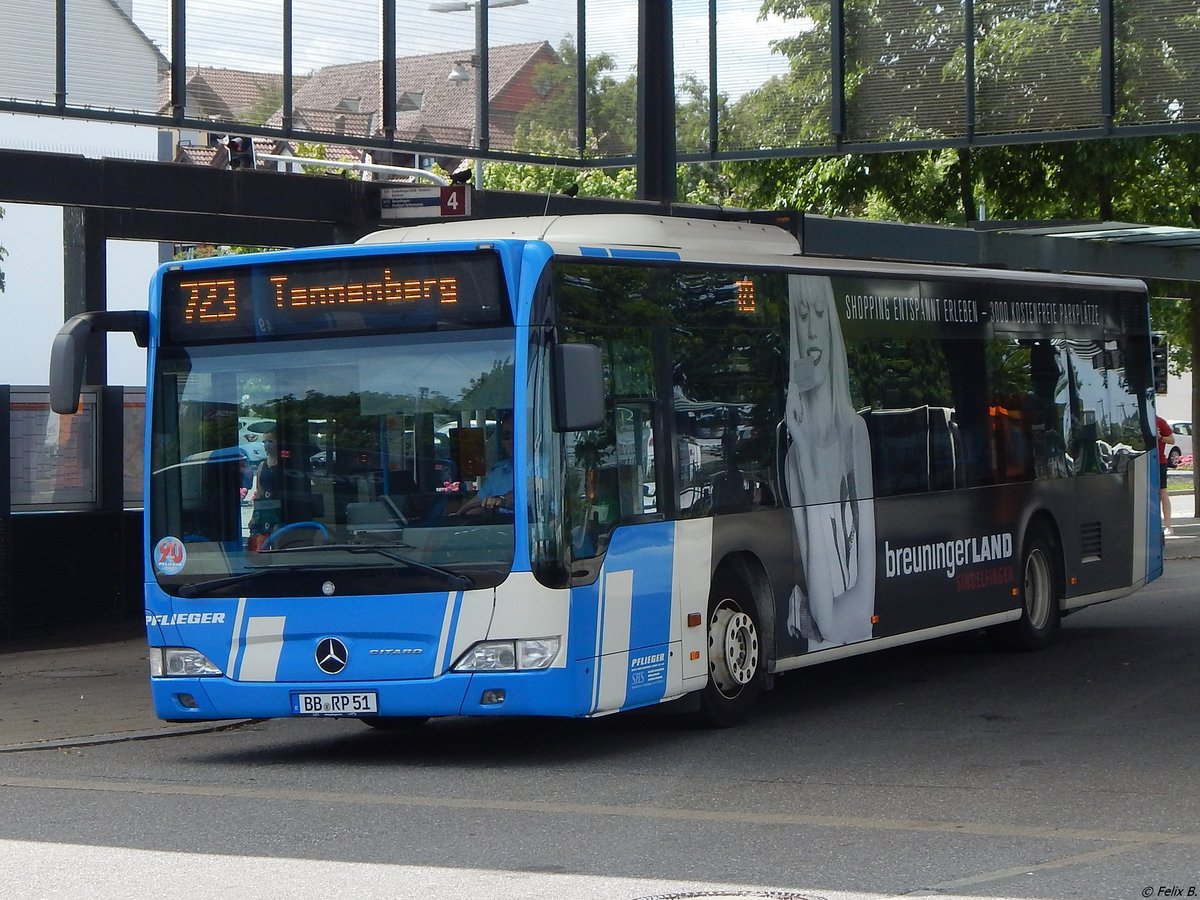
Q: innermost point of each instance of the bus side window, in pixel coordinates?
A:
(593, 487)
(912, 396)
(914, 450)
(611, 470)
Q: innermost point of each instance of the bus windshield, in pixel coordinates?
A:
(345, 465)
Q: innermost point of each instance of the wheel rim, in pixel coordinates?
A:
(1037, 590)
(733, 650)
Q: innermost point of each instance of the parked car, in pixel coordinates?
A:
(1183, 441)
(250, 433)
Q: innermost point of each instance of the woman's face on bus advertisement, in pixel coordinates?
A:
(810, 343)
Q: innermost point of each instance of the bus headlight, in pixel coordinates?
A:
(180, 662)
(507, 656)
(537, 653)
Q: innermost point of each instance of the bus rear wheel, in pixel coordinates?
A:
(736, 663)
(1039, 621)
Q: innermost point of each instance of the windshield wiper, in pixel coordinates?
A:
(452, 578)
(203, 587)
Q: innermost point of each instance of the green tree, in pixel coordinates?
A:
(611, 105)
(270, 99)
(549, 129)
(320, 151)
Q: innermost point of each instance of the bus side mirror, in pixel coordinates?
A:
(578, 377)
(69, 350)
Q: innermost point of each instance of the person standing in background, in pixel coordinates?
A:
(1165, 436)
(268, 482)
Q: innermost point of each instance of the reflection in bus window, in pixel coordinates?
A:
(611, 470)
(726, 400)
(362, 446)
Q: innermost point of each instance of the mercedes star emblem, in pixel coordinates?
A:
(331, 655)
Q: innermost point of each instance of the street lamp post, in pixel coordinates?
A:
(459, 73)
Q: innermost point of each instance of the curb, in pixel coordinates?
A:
(123, 736)
(1181, 548)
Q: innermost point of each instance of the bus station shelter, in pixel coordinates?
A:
(92, 505)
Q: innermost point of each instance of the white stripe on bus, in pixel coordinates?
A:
(1141, 515)
(264, 644)
(618, 622)
(236, 637)
(439, 659)
(691, 582)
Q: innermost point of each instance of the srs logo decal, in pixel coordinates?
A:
(331, 655)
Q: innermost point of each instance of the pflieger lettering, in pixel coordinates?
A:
(192, 618)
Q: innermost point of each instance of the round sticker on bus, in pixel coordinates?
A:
(170, 556)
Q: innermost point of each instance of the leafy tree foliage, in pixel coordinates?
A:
(550, 129)
(320, 151)
(270, 99)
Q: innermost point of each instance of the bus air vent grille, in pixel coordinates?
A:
(1090, 542)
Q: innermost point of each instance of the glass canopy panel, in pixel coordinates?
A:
(905, 75)
(1157, 63)
(1036, 66)
(775, 76)
(27, 68)
(235, 61)
(611, 37)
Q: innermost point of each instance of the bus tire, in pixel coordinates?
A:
(736, 657)
(1040, 616)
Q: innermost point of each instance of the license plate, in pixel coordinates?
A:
(345, 703)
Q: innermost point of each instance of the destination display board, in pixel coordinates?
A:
(350, 294)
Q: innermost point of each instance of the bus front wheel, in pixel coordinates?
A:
(736, 662)
(1039, 621)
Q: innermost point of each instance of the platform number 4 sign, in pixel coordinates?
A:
(456, 200)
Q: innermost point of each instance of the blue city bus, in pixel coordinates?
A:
(569, 466)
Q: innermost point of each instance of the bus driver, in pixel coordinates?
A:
(496, 493)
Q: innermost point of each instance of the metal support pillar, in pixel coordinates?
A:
(111, 477)
(85, 279)
(656, 102)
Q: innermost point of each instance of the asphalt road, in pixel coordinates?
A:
(949, 769)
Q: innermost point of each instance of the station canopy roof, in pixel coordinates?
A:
(1149, 252)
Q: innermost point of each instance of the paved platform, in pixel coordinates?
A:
(82, 693)
(1184, 540)
(95, 688)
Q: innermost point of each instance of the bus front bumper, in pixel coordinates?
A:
(553, 692)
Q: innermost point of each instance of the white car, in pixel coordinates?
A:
(1183, 441)
(250, 435)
